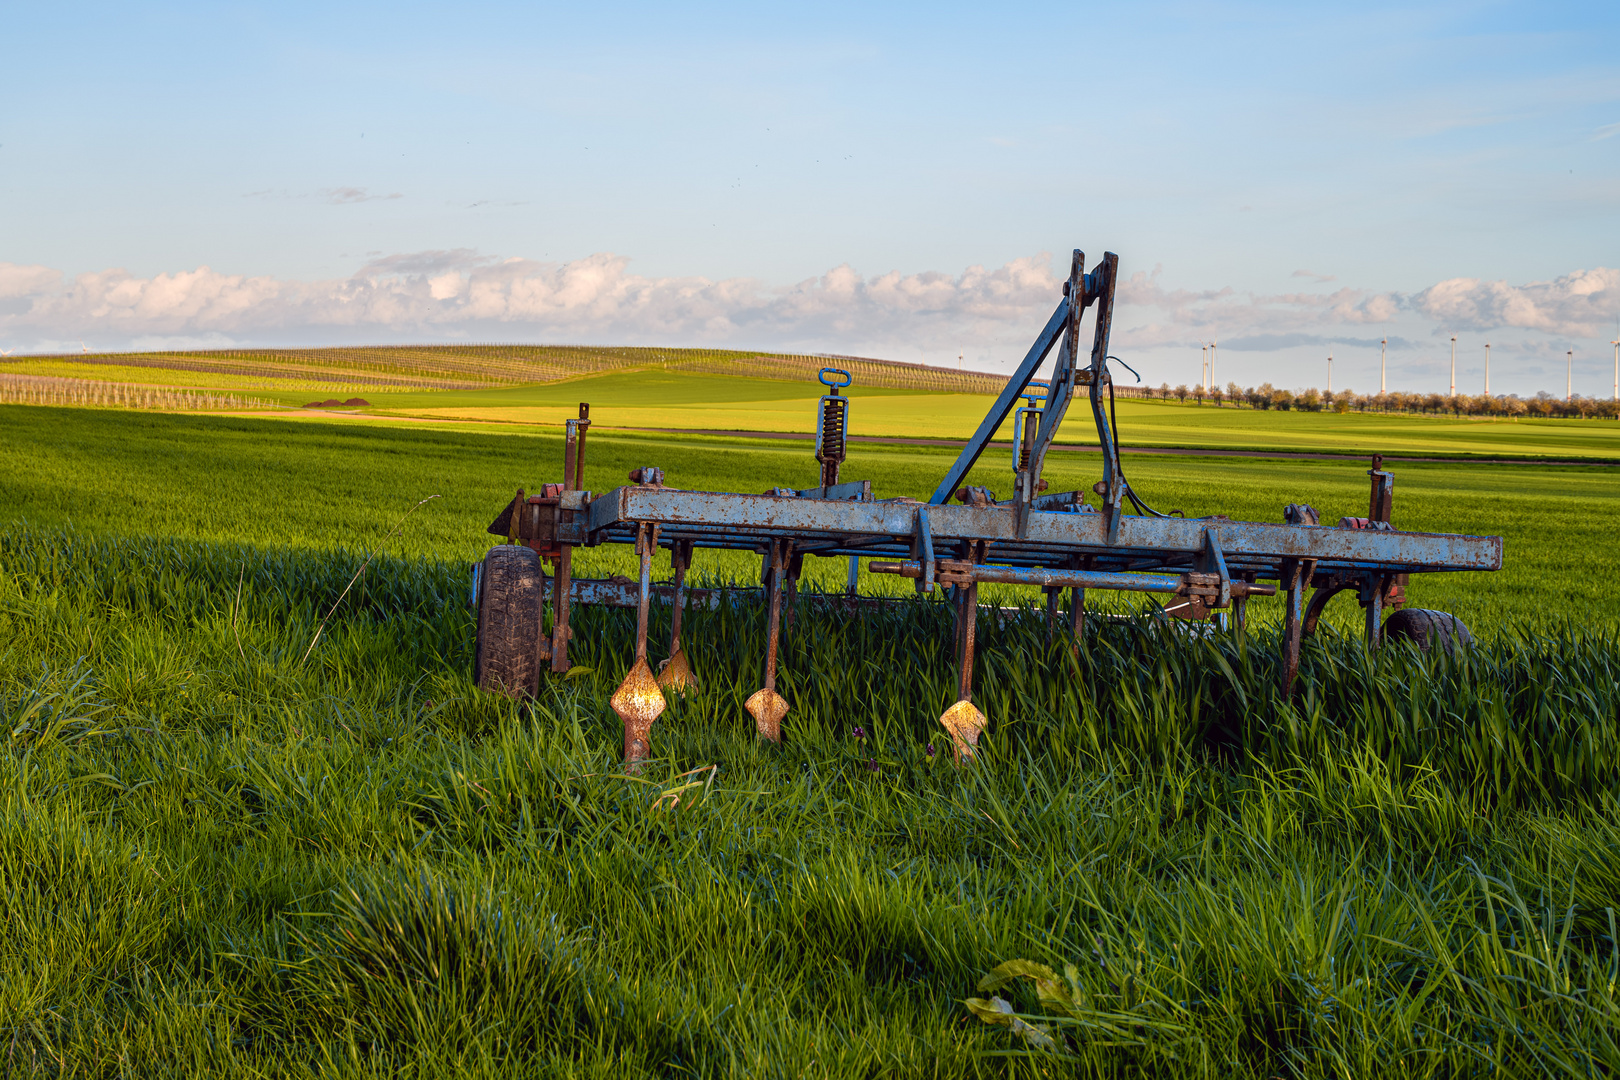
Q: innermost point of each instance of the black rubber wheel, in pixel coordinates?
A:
(507, 657)
(1427, 629)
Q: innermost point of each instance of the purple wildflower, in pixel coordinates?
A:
(871, 763)
(930, 749)
(859, 733)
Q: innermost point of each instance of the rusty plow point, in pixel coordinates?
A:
(767, 707)
(639, 702)
(965, 723)
(676, 674)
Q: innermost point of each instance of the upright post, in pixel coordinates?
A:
(563, 580)
(1293, 616)
(1373, 586)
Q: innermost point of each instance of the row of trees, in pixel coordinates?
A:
(1266, 396)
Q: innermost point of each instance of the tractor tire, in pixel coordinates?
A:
(506, 659)
(1426, 629)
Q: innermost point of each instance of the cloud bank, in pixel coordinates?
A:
(460, 294)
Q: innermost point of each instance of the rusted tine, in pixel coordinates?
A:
(1077, 603)
(676, 672)
(765, 705)
(638, 701)
(963, 720)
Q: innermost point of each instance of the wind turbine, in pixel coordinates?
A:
(1569, 375)
(1330, 373)
(1203, 364)
(1616, 344)
(1487, 369)
(1453, 365)
(1383, 363)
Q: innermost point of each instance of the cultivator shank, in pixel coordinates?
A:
(964, 536)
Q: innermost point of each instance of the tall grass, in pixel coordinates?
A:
(217, 860)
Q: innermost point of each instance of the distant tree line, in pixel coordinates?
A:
(1266, 396)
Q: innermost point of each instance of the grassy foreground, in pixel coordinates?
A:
(222, 856)
(217, 859)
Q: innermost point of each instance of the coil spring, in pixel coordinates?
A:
(832, 429)
(1032, 423)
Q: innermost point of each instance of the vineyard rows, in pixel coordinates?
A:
(93, 393)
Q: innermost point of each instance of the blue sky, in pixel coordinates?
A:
(1291, 180)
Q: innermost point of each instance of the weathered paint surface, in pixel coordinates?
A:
(723, 519)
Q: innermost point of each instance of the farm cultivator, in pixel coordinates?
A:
(961, 537)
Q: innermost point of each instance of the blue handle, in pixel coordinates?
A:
(832, 383)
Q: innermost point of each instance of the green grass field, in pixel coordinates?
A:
(220, 858)
(324, 486)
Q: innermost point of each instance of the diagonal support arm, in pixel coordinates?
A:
(1003, 405)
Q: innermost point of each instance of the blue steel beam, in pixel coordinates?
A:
(1055, 579)
(742, 520)
(1003, 405)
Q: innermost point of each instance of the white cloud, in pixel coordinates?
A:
(17, 281)
(459, 293)
(1579, 304)
(353, 195)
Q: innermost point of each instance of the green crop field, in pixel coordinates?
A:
(226, 852)
(652, 399)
